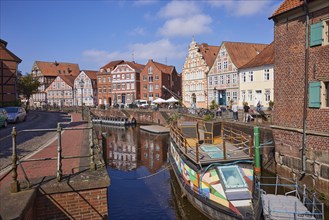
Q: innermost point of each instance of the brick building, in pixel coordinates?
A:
(126, 82)
(8, 75)
(104, 83)
(301, 83)
(46, 72)
(156, 75)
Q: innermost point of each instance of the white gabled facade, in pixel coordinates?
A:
(87, 93)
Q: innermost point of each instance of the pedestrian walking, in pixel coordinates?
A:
(246, 110)
(235, 111)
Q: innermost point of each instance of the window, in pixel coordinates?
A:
(123, 76)
(243, 95)
(266, 74)
(231, 176)
(318, 94)
(132, 86)
(132, 76)
(235, 96)
(149, 70)
(144, 78)
(234, 76)
(251, 76)
(150, 78)
(225, 64)
(228, 97)
(157, 95)
(118, 76)
(216, 80)
(228, 79)
(114, 86)
(144, 86)
(145, 95)
(118, 86)
(267, 95)
(127, 76)
(243, 77)
(99, 79)
(250, 95)
(156, 77)
(109, 79)
(156, 86)
(104, 79)
(104, 89)
(221, 80)
(109, 89)
(219, 65)
(99, 90)
(123, 86)
(319, 33)
(210, 81)
(128, 85)
(222, 53)
(114, 77)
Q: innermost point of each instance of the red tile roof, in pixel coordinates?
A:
(287, 5)
(91, 74)
(68, 79)
(209, 53)
(241, 53)
(112, 64)
(6, 54)
(138, 67)
(163, 68)
(56, 68)
(265, 57)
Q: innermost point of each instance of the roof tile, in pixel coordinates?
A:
(265, 57)
(56, 68)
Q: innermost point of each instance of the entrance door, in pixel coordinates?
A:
(110, 102)
(258, 96)
(123, 99)
(222, 97)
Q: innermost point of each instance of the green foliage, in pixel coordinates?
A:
(208, 117)
(271, 104)
(173, 118)
(213, 105)
(27, 85)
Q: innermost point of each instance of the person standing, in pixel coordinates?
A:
(246, 109)
(235, 111)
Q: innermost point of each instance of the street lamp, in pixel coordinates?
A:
(81, 83)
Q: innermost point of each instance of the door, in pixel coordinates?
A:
(123, 97)
(222, 97)
(258, 97)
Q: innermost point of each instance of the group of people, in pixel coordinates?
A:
(247, 111)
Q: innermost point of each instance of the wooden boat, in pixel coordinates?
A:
(117, 121)
(214, 167)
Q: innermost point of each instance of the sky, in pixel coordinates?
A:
(93, 33)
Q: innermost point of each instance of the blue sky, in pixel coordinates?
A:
(92, 33)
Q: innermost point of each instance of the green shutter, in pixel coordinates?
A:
(314, 100)
(316, 34)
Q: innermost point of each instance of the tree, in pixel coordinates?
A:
(27, 85)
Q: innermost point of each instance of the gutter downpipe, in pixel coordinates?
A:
(306, 87)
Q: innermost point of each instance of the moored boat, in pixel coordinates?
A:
(214, 167)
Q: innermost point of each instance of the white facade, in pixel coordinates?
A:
(87, 93)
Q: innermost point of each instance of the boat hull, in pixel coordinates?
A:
(205, 205)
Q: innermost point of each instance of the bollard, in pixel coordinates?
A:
(59, 153)
(91, 148)
(257, 153)
(14, 186)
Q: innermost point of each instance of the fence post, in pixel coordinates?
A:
(59, 153)
(14, 186)
(91, 148)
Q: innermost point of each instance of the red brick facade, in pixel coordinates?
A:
(88, 204)
(289, 87)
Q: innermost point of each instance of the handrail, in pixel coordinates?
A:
(15, 185)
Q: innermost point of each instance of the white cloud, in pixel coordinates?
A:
(193, 25)
(184, 18)
(179, 9)
(138, 31)
(156, 50)
(243, 8)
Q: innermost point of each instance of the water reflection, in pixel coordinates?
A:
(141, 185)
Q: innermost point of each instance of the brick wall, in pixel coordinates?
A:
(88, 204)
(289, 100)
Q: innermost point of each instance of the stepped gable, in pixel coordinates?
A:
(209, 53)
(241, 53)
(287, 5)
(57, 68)
(265, 57)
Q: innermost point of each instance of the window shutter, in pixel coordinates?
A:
(316, 34)
(314, 100)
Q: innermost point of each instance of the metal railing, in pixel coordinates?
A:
(314, 206)
(93, 146)
(240, 140)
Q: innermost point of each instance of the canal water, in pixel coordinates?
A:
(143, 185)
